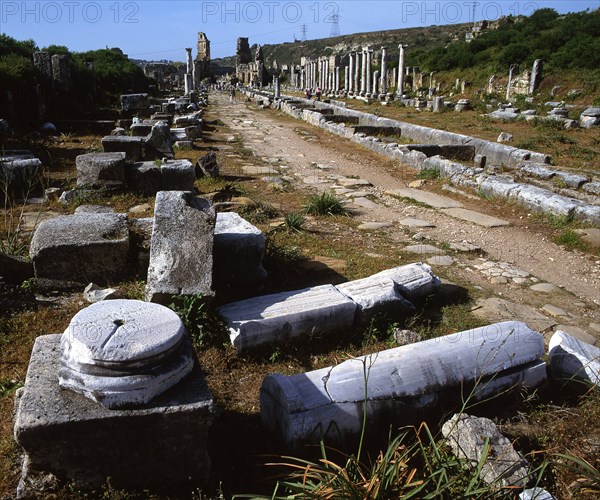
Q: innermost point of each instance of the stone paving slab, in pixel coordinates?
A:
(423, 249)
(416, 223)
(365, 203)
(253, 170)
(431, 199)
(496, 309)
(375, 225)
(475, 217)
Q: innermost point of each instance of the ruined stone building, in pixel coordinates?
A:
(202, 61)
(249, 71)
(167, 75)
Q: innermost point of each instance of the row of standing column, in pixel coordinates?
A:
(358, 78)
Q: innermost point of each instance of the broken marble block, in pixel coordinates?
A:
(590, 117)
(402, 384)
(278, 318)
(239, 248)
(144, 177)
(177, 175)
(131, 146)
(181, 249)
(478, 440)
(390, 290)
(158, 142)
(81, 248)
(123, 353)
(134, 102)
(74, 439)
(101, 170)
(20, 176)
(570, 358)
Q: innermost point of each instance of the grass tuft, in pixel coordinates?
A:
(325, 203)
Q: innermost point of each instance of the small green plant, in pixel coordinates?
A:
(429, 173)
(325, 203)
(201, 322)
(294, 221)
(570, 239)
(483, 195)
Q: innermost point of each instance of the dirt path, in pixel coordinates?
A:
(294, 148)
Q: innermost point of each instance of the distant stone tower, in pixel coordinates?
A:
(202, 61)
(249, 70)
(243, 54)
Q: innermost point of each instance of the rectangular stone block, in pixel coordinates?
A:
(81, 248)
(178, 175)
(75, 439)
(181, 249)
(98, 170)
(144, 177)
(239, 248)
(281, 317)
(131, 146)
(20, 176)
(134, 102)
(390, 290)
(402, 384)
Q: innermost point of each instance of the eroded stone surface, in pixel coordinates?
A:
(469, 437)
(329, 403)
(572, 358)
(81, 248)
(163, 442)
(181, 260)
(123, 353)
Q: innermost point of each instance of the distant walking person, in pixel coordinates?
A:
(318, 93)
(231, 94)
(308, 93)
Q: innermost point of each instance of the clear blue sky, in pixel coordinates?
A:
(154, 29)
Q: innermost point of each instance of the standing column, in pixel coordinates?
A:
(363, 76)
(513, 69)
(346, 79)
(375, 82)
(383, 85)
(328, 84)
(336, 85)
(369, 81)
(356, 73)
(188, 72)
(400, 88)
(350, 84)
(277, 88)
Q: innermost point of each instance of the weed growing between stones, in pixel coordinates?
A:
(14, 239)
(570, 239)
(201, 322)
(428, 173)
(325, 203)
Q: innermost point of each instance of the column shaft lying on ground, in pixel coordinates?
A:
(401, 383)
(279, 317)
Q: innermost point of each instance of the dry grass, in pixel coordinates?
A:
(577, 149)
(328, 250)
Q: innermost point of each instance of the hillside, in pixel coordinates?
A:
(568, 45)
(420, 38)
